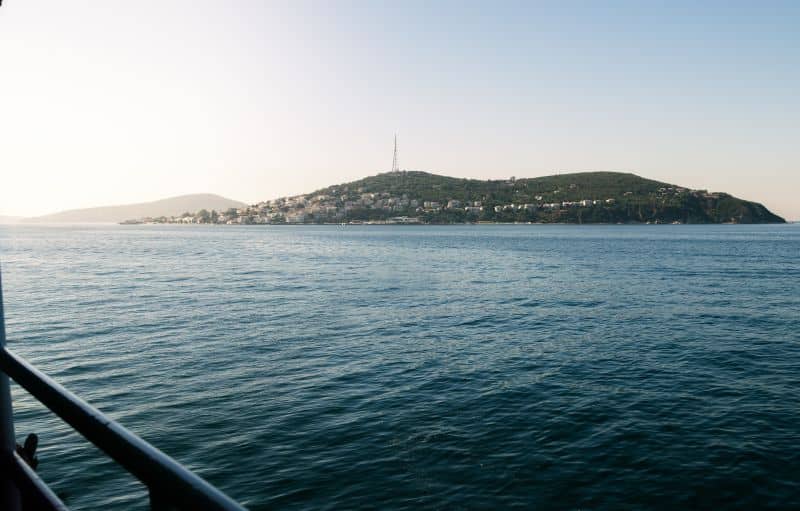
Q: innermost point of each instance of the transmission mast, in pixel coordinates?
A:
(395, 168)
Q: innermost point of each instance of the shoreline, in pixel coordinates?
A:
(385, 224)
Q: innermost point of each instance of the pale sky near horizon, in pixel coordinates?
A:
(112, 102)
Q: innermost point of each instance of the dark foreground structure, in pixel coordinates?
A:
(171, 486)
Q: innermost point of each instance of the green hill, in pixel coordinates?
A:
(587, 197)
(421, 197)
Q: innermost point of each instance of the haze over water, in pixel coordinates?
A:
(476, 367)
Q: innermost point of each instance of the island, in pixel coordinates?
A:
(416, 197)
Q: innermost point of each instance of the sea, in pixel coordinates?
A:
(420, 367)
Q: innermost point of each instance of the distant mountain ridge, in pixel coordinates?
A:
(164, 207)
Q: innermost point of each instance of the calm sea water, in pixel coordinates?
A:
(547, 367)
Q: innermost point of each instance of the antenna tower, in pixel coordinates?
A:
(395, 168)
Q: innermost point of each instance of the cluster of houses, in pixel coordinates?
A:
(326, 207)
(358, 206)
(308, 208)
(344, 208)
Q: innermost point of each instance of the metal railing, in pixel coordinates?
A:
(171, 485)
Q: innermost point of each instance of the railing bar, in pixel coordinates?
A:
(7, 437)
(151, 466)
(35, 492)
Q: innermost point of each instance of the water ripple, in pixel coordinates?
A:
(546, 367)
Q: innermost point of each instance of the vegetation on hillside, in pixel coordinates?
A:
(420, 197)
(616, 197)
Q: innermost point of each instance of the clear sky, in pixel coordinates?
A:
(109, 102)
